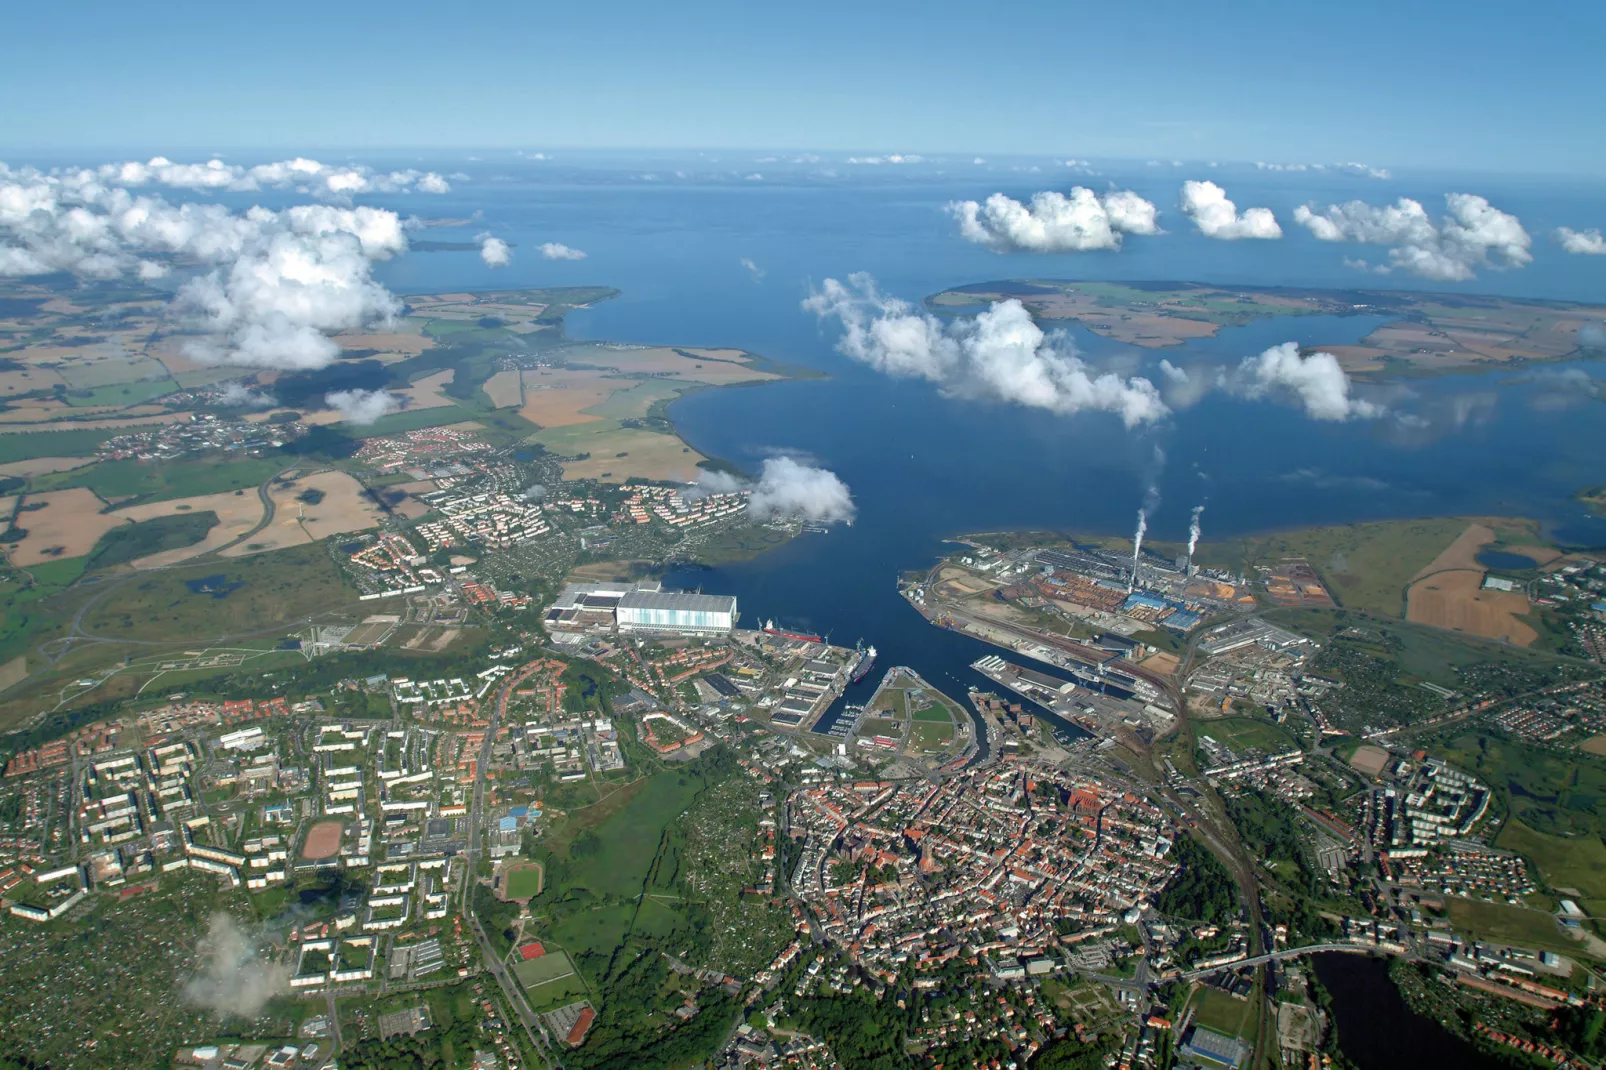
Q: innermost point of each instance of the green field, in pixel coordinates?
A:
(1242, 732)
(1511, 925)
(932, 736)
(1557, 794)
(1576, 863)
(1215, 1009)
(133, 541)
(538, 971)
(114, 480)
(80, 442)
(1365, 566)
(524, 881)
(281, 587)
(933, 713)
(122, 394)
(613, 855)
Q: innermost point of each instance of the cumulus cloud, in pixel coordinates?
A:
(894, 158)
(1316, 380)
(558, 251)
(362, 407)
(494, 251)
(1055, 222)
(1216, 217)
(300, 173)
(788, 487)
(234, 979)
(1582, 242)
(1351, 168)
(753, 269)
(1472, 234)
(1000, 354)
(1592, 336)
(273, 282)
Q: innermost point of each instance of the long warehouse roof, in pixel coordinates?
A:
(706, 603)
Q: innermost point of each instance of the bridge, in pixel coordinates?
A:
(1288, 953)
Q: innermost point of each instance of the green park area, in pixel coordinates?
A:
(1502, 923)
(1571, 865)
(1241, 733)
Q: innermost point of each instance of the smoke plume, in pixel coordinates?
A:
(1137, 544)
(234, 979)
(1193, 531)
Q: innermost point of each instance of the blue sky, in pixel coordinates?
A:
(1464, 85)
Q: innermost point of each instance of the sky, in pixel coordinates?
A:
(1468, 84)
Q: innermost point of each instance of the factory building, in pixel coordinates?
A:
(640, 607)
(660, 611)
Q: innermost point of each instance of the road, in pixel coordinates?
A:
(511, 989)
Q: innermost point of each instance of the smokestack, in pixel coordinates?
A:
(1193, 535)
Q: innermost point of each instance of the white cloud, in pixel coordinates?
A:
(1316, 380)
(234, 979)
(753, 269)
(1000, 354)
(791, 488)
(558, 251)
(299, 173)
(1054, 222)
(494, 251)
(362, 406)
(895, 158)
(240, 395)
(1352, 168)
(1216, 217)
(1582, 242)
(1472, 234)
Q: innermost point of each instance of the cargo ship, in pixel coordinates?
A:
(865, 663)
(771, 629)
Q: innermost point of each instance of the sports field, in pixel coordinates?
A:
(323, 840)
(523, 881)
(552, 966)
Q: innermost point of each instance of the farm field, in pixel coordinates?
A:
(620, 453)
(145, 481)
(237, 512)
(60, 524)
(1447, 594)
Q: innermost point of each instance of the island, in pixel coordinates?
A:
(1425, 333)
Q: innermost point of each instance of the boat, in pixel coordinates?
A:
(865, 664)
(771, 629)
